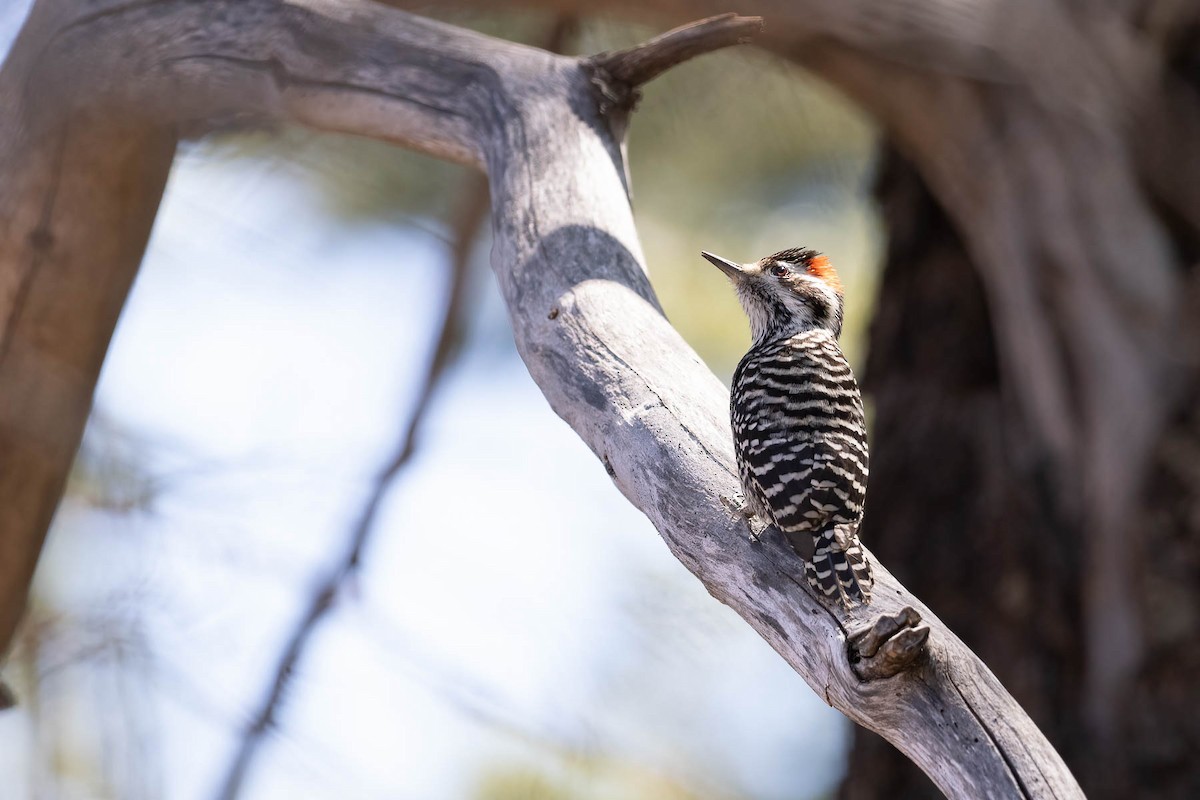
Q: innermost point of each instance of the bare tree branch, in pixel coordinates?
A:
(645, 62)
(585, 318)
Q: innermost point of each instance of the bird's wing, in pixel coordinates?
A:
(809, 483)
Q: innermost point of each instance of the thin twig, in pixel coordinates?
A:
(465, 226)
(645, 62)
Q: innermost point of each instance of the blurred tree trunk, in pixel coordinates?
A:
(1034, 368)
(965, 510)
(950, 502)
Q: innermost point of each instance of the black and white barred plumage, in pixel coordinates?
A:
(798, 424)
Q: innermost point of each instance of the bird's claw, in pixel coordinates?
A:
(736, 506)
(739, 510)
(759, 530)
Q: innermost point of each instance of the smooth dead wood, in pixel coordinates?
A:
(566, 254)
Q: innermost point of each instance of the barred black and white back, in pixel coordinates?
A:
(800, 437)
(798, 425)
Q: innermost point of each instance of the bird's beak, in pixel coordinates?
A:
(731, 270)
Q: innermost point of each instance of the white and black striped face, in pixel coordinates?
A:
(792, 290)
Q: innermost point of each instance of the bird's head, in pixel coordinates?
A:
(792, 291)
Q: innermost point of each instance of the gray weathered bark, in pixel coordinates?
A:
(547, 130)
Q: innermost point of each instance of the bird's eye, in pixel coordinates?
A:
(779, 270)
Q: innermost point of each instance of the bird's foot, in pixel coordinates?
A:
(736, 506)
(740, 510)
(889, 646)
(758, 529)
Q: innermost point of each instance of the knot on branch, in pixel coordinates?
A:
(613, 93)
(617, 74)
(890, 646)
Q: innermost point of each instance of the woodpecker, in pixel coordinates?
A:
(798, 425)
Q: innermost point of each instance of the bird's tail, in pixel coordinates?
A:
(840, 575)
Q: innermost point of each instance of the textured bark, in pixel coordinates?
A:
(547, 130)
